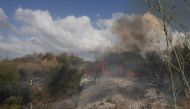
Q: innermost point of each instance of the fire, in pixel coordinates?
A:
(105, 71)
(132, 74)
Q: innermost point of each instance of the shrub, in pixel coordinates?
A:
(65, 78)
(11, 89)
(9, 80)
(12, 102)
(156, 67)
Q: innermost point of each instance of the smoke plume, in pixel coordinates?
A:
(139, 33)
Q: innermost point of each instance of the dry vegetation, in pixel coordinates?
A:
(37, 79)
(40, 80)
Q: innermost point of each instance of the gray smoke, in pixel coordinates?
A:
(139, 33)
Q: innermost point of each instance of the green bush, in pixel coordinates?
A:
(9, 80)
(65, 78)
(12, 102)
(156, 67)
(11, 89)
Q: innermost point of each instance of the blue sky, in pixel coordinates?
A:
(81, 27)
(90, 8)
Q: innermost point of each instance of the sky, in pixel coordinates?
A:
(63, 8)
(80, 27)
